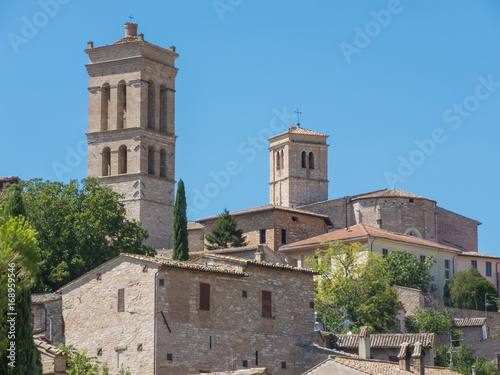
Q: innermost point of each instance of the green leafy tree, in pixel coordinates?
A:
(18, 265)
(181, 249)
(80, 226)
(463, 360)
(354, 288)
(406, 270)
(467, 289)
(430, 321)
(225, 233)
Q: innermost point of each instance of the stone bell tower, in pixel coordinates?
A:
(299, 167)
(131, 138)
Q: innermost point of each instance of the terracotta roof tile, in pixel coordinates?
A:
(477, 255)
(365, 231)
(250, 371)
(194, 225)
(469, 322)
(49, 348)
(387, 341)
(235, 250)
(388, 193)
(39, 298)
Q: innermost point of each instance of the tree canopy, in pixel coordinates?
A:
(354, 289)
(181, 249)
(225, 233)
(467, 289)
(463, 360)
(407, 270)
(430, 321)
(80, 226)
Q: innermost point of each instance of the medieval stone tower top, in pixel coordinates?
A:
(299, 167)
(131, 134)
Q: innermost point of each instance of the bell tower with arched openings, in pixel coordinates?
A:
(299, 167)
(131, 137)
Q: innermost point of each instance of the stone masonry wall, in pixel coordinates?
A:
(233, 330)
(456, 230)
(49, 321)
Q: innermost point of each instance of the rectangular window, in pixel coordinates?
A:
(447, 270)
(295, 218)
(266, 304)
(474, 263)
(262, 236)
(121, 300)
(205, 296)
(245, 363)
(283, 236)
(422, 258)
(488, 268)
(283, 365)
(385, 252)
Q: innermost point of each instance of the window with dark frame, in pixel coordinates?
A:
(262, 236)
(161, 282)
(488, 268)
(385, 252)
(170, 357)
(422, 258)
(474, 263)
(99, 352)
(244, 293)
(121, 300)
(283, 236)
(446, 269)
(205, 296)
(266, 304)
(295, 218)
(245, 363)
(283, 365)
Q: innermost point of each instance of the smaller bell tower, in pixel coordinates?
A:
(299, 167)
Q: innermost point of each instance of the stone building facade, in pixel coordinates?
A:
(146, 313)
(131, 138)
(47, 317)
(272, 225)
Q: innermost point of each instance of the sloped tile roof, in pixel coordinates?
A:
(269, 207)
(49, 348)
(363, 230)
(388, 193)
(250, 371)
(387, 341)
(236, 250)
(304, 131)
(39, 298)
(469, 322)
(477, 255)
(194, 225)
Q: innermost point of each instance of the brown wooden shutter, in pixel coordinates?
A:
(266, 304)
(205, 296)
(121, 300)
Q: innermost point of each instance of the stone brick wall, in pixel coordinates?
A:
(233, 330)
(48, 320)
(456, 230)
(92, 320)
(196, 240)
(411, 300)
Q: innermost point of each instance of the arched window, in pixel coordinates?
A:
(278, 161)
(105, 98)
(151, 160)
(311, 160)
(106, 161)
(163, 163)
(303, 159)
(282, 160)
(163, 108)
(151, 105)
(121, 105)
(414, 232)
(122, 159)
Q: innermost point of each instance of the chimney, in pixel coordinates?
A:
(418, 359)
(259, 254)
(364, 343)
(130, 29)
(404, 357)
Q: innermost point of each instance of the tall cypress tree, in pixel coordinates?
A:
(181, 250)
(28, 360)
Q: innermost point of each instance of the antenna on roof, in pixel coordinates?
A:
(130, 17)
(298, 117)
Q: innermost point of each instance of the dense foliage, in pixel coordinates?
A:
(354, 289)
(80, 226)
(463, 360)
(79, 363)
(467, 289)
(430, 320)
(181, 249)
(225, 233)
(407, 270)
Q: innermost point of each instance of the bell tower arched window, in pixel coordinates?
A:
(106, 161)
(151, 105)
(163, 163)
(278, 161)
(151, 160)
(105, 98)
(122, 159)
(303, 159)
(163, 108)
(121, 105)
(311, 160)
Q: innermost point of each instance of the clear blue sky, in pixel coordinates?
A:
(378, 76)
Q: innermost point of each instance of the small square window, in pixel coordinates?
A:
(170, 357)
(295, 218)
(98, 277)
(245, 363)
(311, 305)
(411, 200)
(244, 294)
(283, 365)
(99, 352)
(161, 282)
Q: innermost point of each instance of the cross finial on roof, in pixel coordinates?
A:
(130, 17)
(298, 117)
